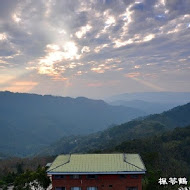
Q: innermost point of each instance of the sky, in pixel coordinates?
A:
(94, 48)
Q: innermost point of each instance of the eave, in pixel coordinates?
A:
(95, 173)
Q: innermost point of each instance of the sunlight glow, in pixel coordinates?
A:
(110, 21)
(55, 55)
(149, 37)
(3, 36)
(136, 39)
(99, 48)
(4, 78)
(21, 86)
(163, 2)
(51, 47)
(132, 75)
(83, 31)
(16, 18)
(85, 49)
(146, 83)
(141, 81)
(62, 32)
(98, 70)
(71, 51)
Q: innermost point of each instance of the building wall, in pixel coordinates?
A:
(103, 182)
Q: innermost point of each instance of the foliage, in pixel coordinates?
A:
(16, 170)
(30, 179)
(24, 181)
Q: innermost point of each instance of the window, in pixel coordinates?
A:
(75, 188)
(132, 188)
(92, 188)
(122, 176)
(75, 177)
(59, 176)
(91, 176)
(60, 188)
(134, 176)
(110, 186)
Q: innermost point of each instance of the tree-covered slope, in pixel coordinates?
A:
(29, 122)
(136, 129)
(165, 155)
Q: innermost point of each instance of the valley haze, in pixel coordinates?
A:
(30, 122)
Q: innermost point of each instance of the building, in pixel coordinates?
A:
(97, 172)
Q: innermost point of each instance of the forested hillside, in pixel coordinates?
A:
(165, 155)
(136, 129)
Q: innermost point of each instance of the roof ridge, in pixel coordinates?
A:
(61, 164)
(124, 158)
(142, 161)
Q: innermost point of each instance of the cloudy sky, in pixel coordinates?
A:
(94, 48)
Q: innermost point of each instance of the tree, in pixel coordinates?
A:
(29, 179)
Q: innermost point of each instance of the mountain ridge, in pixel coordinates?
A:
(156, 97)
(29, 122)
(147, 107)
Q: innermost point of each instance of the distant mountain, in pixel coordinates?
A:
(147, 107)
(178, 98)
(29, 122)
(136, 129)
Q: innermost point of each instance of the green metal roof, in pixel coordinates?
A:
(97, 163)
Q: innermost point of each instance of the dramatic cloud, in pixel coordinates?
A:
(94, 48)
